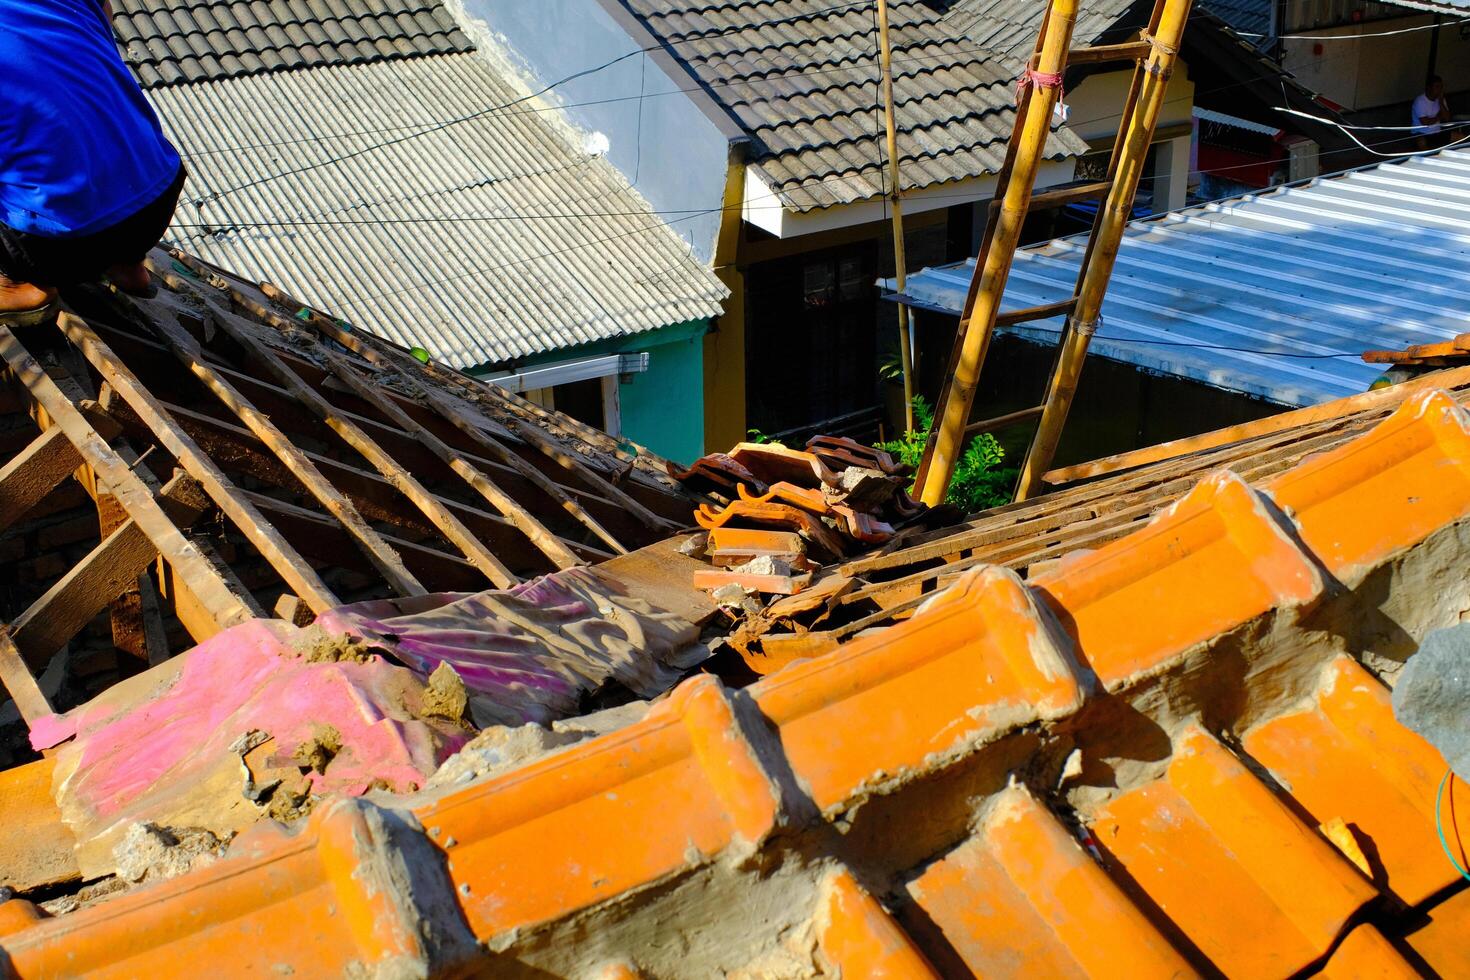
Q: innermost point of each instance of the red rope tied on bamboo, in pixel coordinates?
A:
(1040, 79)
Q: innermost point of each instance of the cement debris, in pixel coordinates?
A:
(148, 852)
(1432, 695)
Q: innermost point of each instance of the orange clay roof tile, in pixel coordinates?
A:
(1345, 756)
(1440, 941)
(981, 660)
(1022, 899)
(958, 730)
(1209, 563)
(1211, 824)
(312, 903)
(572, 830)
(858, 938)
(1385, 490)
(1366, 955)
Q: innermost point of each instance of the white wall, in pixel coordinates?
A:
(663, 143)
(1097, 103)
(1375, 71)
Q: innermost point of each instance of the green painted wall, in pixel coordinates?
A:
(663, 407)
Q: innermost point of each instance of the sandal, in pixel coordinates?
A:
(34, 317)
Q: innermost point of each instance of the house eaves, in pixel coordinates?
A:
(804, 86)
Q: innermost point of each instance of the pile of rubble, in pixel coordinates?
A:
(784, 513)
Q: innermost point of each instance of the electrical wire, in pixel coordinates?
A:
(227, 224)
(1449, 775)
(685, 214)
(1354, 37)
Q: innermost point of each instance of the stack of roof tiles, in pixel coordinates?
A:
(802, 79)
(1173, 755)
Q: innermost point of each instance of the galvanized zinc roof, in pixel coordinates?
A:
(428, 201)
(802, 78)
(1275, 294)
(168, 42)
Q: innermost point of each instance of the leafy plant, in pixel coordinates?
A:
(757, 436)
(979, 481)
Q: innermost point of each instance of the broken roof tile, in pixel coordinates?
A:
(1025, 819)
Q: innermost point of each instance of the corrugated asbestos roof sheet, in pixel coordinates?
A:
(167, 42)
(802, 78)
(486, 239)
(1372, 259)
(1010, 26)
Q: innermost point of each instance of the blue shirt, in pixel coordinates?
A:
(80, 147)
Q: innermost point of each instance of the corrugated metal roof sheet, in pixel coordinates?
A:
(1252, 18)
(486, 240)
(801, 76)
(1375, 258)
(168, 42)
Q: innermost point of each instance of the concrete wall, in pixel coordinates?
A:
(1379, 71)
(671, 152)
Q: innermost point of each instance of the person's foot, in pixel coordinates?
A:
(132, 278)
(23, 297)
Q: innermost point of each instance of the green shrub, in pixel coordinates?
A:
(979, 480)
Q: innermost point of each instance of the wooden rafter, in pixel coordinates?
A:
(472, 475)
(122, 482)
(293, 569)
(387, 561)
(110, 569)
(395, 473)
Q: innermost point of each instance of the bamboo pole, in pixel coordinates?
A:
(1003, 233)
(900, 263)
(1152, 81)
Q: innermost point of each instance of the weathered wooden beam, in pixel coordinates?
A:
(405, 447)
(447, 409)
(33, 473)
(387, 561)
(431, 507)
(292, 568)
(109, 570)
(534, 530)
(514, 408)
(237, 449)
(321, 537)
(20, 682)
(150, 611)
(1379, 398)
(224, 606)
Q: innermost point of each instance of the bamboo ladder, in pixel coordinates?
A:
(1037, 95)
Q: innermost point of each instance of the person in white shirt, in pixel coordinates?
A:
(1430, 113)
